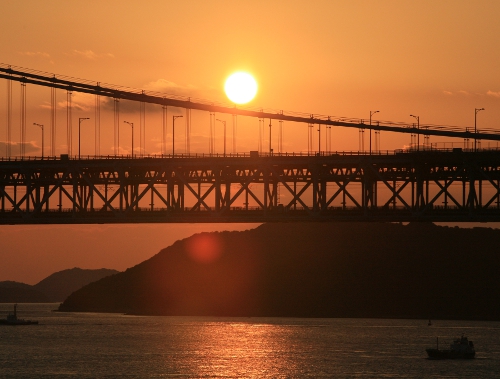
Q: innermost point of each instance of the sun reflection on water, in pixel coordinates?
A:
(239, 349)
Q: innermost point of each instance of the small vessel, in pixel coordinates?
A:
(13, 320)
(461, 348)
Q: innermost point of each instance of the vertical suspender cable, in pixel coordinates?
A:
(97, 117)
(142, 129)
(68, 123)
(164, 130)
(116, 110)
(187, 135)
(188, 131)
(212, 133)
(280, 137)
(23, 118)
(8, 145)
(261, 132)
(210, 136)
(308, 139)
(235, 127)
(53, 107)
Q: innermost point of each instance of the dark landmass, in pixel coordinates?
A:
(371, 270)
(54, 288)
(15, 292)
(60, 285)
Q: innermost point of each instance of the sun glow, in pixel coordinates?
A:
(240, 87)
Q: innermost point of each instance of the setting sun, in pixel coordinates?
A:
(240, 87)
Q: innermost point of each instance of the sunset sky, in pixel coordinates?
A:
(436, 59)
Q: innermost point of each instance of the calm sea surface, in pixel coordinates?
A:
(90, 345)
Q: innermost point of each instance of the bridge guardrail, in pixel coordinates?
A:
(410, 149)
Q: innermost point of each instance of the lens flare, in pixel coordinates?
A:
(204, 248)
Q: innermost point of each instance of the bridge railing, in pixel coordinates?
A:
(194, 155)
(408, 149)
(280, 208)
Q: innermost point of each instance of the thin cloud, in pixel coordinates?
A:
(167, 87)
(493, 93)
(79, 101)
(467, 93)
(34, 54)
(89, 54)
(37, 54)
(15, 147)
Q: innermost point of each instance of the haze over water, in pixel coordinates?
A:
(89, 345)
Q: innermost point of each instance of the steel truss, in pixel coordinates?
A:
(427, 186)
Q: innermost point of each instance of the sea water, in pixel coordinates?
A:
(92, 345)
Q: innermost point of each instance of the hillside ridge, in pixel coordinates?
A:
(382, 270)
(54, 288)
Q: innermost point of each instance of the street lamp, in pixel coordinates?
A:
(475, 126)
(371, 114)
(41, 126)
(319, 139)
(80, 119)
(309, 138)
(224, 122)
(418, 132)
(270, 135)
(329, 139)
(173, 134)
(132, 125)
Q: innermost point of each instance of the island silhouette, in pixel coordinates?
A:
(54, 288)
(373, 270)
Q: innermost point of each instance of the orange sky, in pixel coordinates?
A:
(435, 59)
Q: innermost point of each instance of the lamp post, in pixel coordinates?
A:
(418, 130)
(173, 134)
(132, 125)
(309, 138)
(224, 123)
(371, 114)
(475, 126)
(80, 119)
(319, 139)
(41, 126)
(270, 135)
(329, 139)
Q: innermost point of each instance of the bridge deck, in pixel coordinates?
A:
(414, 186)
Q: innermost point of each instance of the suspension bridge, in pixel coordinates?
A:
(417, 184)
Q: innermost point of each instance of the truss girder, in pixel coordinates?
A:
(409, 186)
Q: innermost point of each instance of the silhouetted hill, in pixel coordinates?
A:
(15, 292)
(60, 285)
(312, 270)
(54, 288)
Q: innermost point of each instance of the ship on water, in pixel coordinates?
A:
(13, 320)
(461, 348)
